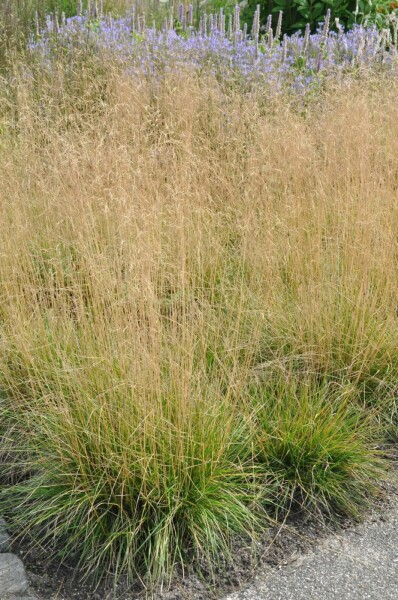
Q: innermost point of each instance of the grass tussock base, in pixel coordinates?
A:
(198, 311)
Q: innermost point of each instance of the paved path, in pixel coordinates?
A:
(358, 564)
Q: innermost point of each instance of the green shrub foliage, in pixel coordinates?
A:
(297, 13)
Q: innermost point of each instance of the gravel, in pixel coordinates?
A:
(361, 563)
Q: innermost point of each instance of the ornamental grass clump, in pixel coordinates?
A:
(123, 474)
(316, 444)
(124, 446)
(198, 306)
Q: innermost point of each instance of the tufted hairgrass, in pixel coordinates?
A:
(317, 445)
(198, 311)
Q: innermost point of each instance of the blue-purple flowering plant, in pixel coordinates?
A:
(228, 52)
